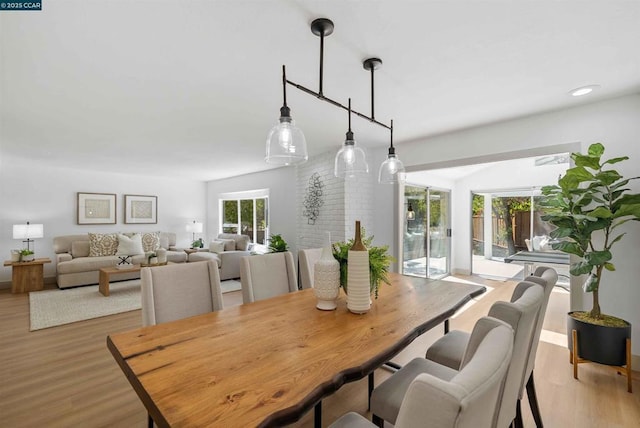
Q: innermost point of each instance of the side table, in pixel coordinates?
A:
(27, 276)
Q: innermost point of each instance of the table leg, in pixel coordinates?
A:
(103, 286)
(317, 415)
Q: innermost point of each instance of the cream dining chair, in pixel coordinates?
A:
(267, 275)
(463, 399)
(179, 291)
(306, 261)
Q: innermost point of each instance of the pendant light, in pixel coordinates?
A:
(411, 214)
(350, 160)
(286, 144)
(392, 170)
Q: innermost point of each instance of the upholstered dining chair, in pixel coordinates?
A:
(179, 291)
(467, 398)
(306, 261)
(449, 349)
(267, 275)
(520, 315)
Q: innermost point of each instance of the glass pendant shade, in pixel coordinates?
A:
(286, 144)
(411, 214)
(350, 160)
(391, 170)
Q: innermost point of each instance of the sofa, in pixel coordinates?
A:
(227, 249)
(75, 266)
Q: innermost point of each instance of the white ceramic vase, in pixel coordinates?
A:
(326, 278)
(358, 288)
(15, 255)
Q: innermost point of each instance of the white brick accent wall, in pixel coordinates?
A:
(345, 201)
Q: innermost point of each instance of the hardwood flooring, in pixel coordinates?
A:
(65, 376)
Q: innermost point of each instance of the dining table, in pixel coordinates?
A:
(269, 362)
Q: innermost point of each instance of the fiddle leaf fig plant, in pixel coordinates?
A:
(587, 206)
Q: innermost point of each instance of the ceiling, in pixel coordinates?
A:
(191, 88)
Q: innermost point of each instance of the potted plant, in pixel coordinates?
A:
(277, 244)
(379, 261)
(26, 255)
(587, 206)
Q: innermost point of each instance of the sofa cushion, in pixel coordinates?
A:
(129, 246)
(103, 244)
(164, 241)
(80, 249)
(229, 244)
(216, 247)
(87, 264)
(151, 241)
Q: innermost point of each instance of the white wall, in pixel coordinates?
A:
(46, 194)
(281, 183)
(615, 123)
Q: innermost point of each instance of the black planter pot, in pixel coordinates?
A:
(600, 344)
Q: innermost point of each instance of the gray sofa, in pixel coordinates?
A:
(74, 266)
(229, 259)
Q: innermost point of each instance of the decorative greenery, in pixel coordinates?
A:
(313, 199)
(277, 244)
(26, 252)
(379, 262)
(198, 243)
(586, 206)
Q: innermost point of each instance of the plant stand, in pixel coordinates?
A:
(575, 360)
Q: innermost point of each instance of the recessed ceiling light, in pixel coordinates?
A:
(583, 90)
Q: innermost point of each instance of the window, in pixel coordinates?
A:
(246, 213)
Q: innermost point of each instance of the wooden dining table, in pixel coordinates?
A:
(269, 362)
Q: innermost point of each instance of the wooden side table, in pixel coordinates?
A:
(27, 276)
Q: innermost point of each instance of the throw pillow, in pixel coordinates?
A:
(216, 247)
(150, 241)
(229, 244)
(103, 244)
(80, 249)
(129, 246)
(164, 240)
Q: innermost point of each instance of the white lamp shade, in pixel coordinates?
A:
(194, 227)
(391, 171)
(286, 144)
(28, 231)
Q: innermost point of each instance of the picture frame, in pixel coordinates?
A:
(140, 209)
(96, 208)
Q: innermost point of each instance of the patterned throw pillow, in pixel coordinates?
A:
(150, 241)
(103, 244)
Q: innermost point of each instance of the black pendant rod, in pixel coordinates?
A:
(349, 114)
(284, 86)
(321, 61)
(372, 115)
(391, 129)
(336, 103)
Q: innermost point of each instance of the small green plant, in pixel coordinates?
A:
(198, 243)
(379, 261)
(277, 244)
(26, 252)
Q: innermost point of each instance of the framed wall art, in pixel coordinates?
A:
(96, 208)
(140, 209)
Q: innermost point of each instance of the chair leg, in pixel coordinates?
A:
(371, 384)
(377, 421)
(149, 421)
(317, 415)
(518, 420)
(533, 401)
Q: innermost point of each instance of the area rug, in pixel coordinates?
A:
(50, 308)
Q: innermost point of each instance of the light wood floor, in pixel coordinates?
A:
(65, 376)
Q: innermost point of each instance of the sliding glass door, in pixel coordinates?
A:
(427, 232)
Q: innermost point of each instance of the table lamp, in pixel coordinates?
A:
(27, 232)
(195, 227)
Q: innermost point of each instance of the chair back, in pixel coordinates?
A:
(267, 275)
(547, 278)
(521, 315)
(177, 291)
(306, 261)
(470, 398)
